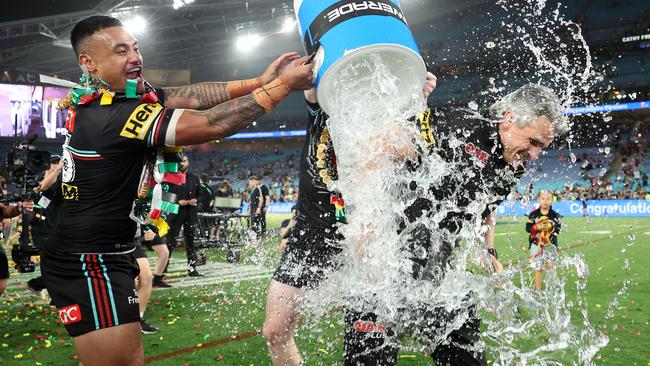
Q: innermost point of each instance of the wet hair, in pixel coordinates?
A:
(89, 26)
(253, 177)
(529, 103)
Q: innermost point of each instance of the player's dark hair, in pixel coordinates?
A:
(89, 26)
(204, 178)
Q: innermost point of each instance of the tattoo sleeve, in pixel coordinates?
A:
(228, 118)
(196, 96)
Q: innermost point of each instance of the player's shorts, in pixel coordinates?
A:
(311, 253)
(139, 252)
(4, 265)
(367, 342)
(539, 258)
(92, 291)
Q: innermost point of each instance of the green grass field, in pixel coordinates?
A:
(218, 322)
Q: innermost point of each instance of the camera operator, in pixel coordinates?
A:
(9, 211)
(46, 212)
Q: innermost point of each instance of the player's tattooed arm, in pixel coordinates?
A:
(196, 96)
(195, 127)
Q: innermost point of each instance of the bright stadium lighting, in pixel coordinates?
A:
(177, 4)
(248, 42)
(288, 25)
(135, 25)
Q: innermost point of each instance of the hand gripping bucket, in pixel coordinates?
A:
(344, 31)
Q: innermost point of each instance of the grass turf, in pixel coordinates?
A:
(200, 324)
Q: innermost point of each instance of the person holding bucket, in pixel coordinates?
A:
(312, 246)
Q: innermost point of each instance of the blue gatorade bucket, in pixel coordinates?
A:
(339, 32)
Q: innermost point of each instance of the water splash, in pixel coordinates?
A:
(370, 132)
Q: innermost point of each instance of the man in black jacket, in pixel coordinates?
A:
(187, 218)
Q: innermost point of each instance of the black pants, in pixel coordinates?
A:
(186, 219)
(364, 347)
(258, 224)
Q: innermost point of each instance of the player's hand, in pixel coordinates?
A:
(182, 202)
(274, 69)
(298, 74)
(27, 205)
(193, 202)
(258, 212)
(149, 235)
(429, 85)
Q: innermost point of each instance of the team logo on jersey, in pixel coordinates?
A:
(70, 314)
(70, 192)
(68, 170)
(140, 121)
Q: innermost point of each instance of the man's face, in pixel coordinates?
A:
(185, 163)
(522, 144)
(112, 55)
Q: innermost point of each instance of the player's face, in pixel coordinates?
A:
(112, 54)
(524, 143)
(545, 200)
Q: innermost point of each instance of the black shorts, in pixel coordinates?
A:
(157, 240)
(311, 253)
(365, 342)
(92, 291)
(139, 252)
(4, 265)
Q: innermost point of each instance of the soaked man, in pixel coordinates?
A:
(117, 119)
(313, 244)
(485, 155)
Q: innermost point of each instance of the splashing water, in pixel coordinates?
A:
(370, 131)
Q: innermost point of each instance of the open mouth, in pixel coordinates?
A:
(134, 73)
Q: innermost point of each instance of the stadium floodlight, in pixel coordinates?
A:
(248, 41)
(177, 4)
(135, 24)
(288, 25)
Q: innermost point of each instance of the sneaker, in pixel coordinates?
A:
(158, 282)
(147, 328)
(161, 284)
(194, 273)
(36, 284)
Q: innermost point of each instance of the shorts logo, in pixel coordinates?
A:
(368, 327)
(70, 192)
(70, 314)
(134, 299)
(137, 126)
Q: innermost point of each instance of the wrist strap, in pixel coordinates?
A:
(271, 94)
(240, 88)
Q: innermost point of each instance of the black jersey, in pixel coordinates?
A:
(543, 234)
(316, 204)
(103, 158)
(477, 177)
